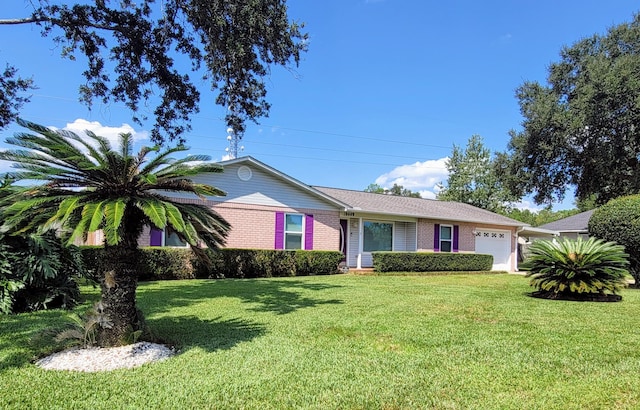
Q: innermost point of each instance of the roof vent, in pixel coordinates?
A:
(244, 173)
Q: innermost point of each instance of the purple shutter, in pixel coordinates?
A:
(436, 238)
(155, 237)
(308, 232)
(456, 232)
(279, 242)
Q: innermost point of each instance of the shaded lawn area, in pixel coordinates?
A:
(352, 342)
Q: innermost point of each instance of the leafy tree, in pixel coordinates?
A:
(397, 190)
(86, 185)
(234, 40)
(582, 128)
(473, 180)
(619, 220)
(589, 270)
(12, 89)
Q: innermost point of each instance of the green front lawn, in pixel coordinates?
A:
(352, 342)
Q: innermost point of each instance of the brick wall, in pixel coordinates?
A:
(253, 226)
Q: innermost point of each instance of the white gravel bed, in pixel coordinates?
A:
(97, 359)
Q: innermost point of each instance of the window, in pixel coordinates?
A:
(446, 238)
(165, 237)
(293, 231)
(378, 236)
(172, 239)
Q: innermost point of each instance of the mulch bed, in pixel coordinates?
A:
(576, 297)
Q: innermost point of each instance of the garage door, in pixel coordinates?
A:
(496, 243)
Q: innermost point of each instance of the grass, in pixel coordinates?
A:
(351, 342)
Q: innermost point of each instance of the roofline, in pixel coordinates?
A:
(436, 217)
(539, 230)
(287, 178)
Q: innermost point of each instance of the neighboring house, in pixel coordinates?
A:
(572, 227)
(271, 210)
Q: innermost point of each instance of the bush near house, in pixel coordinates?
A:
(430, 262)
(619, 221)
(156, 263)
(264, 263)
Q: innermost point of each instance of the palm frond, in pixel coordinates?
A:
(113, 213)
(154, 210)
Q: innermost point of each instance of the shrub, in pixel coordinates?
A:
(265, 263)
(166, 263)
(156, 263)
(38, 272)
(430, 262)
(577, 269)
(619, 221)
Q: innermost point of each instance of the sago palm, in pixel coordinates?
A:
(80, 185)
(577, 269)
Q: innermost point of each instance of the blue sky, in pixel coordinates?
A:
(385, 90)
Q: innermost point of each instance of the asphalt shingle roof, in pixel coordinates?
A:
(416, 207)
(575, 223)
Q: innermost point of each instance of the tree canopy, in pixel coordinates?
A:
(582, 128)
(135, 52)
(473, 180)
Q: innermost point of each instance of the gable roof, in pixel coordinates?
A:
(284, 177)
(575, 223)
(374, 203)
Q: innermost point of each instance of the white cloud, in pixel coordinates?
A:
(527, 206)
(422, 177)
(80, 125)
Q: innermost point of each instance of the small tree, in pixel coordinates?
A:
(578, 270)
(619, 220)
(473, 179)
(87, 185)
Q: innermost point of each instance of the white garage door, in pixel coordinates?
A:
(496, 243)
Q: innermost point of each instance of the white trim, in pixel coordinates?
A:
(302, 233)
(446, 240)
(164, 239)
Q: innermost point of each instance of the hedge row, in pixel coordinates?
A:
(430, 262)
(175, 263)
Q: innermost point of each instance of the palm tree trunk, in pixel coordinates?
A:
(118, 296)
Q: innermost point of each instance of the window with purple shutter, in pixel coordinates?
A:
(155, 237)
(308, 232)
(456, 234)
(279, 240)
